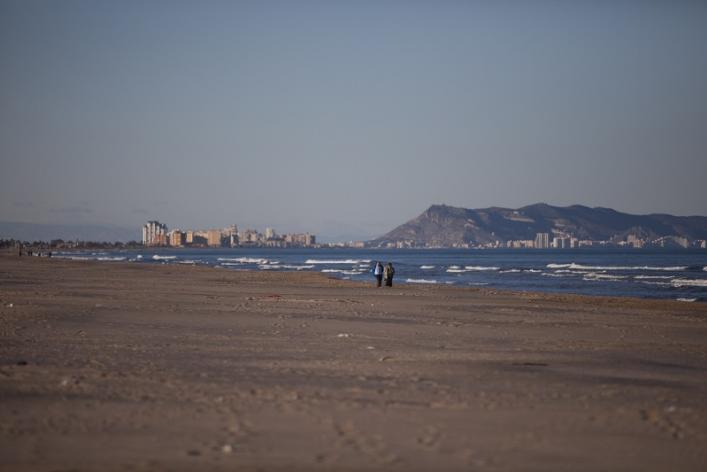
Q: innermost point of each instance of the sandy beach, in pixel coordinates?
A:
(119, 366)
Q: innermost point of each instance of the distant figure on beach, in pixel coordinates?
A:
(20, 248)
(378, 272)
(388, 274)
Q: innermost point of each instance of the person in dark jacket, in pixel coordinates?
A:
(388, 274)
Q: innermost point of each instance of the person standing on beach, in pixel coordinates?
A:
(388, 274)
(378, 272)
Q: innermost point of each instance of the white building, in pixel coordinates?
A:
(154, 233)
(542, 241)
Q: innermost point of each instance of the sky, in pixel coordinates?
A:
(347, 118)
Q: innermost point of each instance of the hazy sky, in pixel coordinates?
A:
(347, 118)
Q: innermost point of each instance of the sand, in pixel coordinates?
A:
(119, 366)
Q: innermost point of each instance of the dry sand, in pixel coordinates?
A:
(117, 366)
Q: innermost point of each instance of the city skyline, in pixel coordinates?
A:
(345, 119)
(155, 233)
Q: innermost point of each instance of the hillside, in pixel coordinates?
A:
(446, 226)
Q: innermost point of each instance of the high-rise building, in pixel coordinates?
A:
(561, 243)
(176, 238)
(542, 241)
(214, 238)
(230, 234)
(154, 233)
(269, 233)
(309, 240)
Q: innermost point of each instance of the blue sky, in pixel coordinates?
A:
(347, 118)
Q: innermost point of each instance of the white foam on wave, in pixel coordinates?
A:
(455, 269)
(478, 283)
(551, 274)
(337, 261)
(651, 277)
(421, 281)
(659, 284)
(342, 271)
(589, 267)
(188, 262)
(427, 267)
(244, 260)
(689, 282)
(284, 267)
(704, 268)
(509, 271)
(139, 256)
(689, 300)
(163, 258)
(74, 258)
(532, 271)
(298, 267)
(111, 259)
(598, 276)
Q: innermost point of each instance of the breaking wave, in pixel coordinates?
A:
(421, 281)
(274, 266)
(588, 267)
(245, 260)
(163, 258)
(689, 282)
(342, 271)
(591, 276)
(427, 267)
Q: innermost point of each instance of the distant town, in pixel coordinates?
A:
(156, 234)
(561, 241)
(537, 226)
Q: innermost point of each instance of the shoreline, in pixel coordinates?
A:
(160, 367)
(545, 295)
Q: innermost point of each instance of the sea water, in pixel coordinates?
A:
(673, 274)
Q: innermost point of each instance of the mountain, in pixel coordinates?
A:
(447, 226)
(47, 232)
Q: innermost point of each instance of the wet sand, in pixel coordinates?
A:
(118, 366)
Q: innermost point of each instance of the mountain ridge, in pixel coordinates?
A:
(443, 225)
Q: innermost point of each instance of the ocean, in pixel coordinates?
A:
(667, 274)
